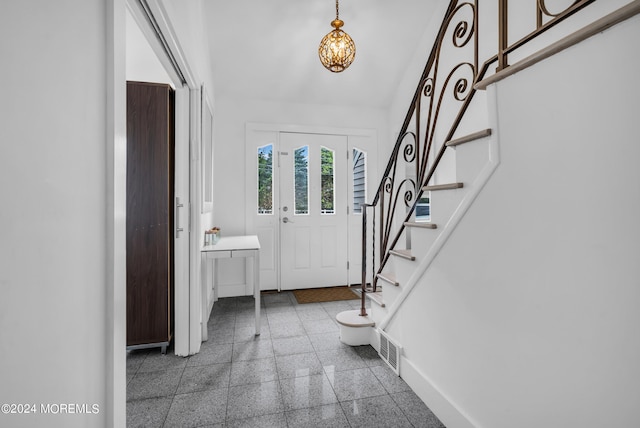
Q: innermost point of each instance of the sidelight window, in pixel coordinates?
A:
(359, 180)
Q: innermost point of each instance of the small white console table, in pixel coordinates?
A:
(231, 247)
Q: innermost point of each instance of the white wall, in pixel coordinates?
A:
(528, 316)
(230, 118)
(59, 339)
(409, 82)
(53, 180)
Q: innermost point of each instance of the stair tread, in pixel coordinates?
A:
(447, 186)
(376, 297)
(468, 138)
(388, 277)
(405, 254)
(422, 224)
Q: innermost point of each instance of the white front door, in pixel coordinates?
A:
(313, 210)
(312, 249)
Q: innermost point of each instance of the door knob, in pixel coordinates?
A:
(286, 220)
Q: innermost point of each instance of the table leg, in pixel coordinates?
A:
(216, 278)
(256, 288)
(203, 301)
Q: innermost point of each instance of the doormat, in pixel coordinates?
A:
(331, 294)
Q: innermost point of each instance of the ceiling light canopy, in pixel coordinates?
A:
(337, 49)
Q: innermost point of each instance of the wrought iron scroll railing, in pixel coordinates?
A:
(442, 98)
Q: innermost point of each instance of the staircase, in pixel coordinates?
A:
(435, 132)
(479, 337)
(446, 150)
(448, 203)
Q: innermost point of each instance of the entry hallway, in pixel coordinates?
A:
(297, 373)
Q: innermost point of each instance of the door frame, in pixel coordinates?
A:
(116, 167)
(362, 138)
(187, 336)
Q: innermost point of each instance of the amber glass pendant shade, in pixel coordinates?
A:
(337, 49)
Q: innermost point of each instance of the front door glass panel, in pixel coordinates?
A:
(301, 180)
(327, 181)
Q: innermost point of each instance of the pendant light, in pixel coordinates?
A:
(337, 49)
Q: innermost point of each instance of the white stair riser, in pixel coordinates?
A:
(443, 204)
(402, 269)
(389, 293)
(421, 240)
(377, 313)
(470, 159)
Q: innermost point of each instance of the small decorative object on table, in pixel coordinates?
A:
(215, 231)
(211, 236)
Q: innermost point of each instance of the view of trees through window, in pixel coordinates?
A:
(327, 197)
(301, 180)
(265, 179)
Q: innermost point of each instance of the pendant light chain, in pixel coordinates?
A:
(337, 12)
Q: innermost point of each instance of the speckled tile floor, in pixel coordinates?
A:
(297, 373)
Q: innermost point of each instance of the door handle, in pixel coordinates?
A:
(286, 220)
(177, 215)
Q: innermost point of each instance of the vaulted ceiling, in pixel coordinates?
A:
(268, 49)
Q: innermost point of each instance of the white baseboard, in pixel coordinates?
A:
(448, 413)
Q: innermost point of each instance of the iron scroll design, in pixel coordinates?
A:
(442, 97)
(444, 86)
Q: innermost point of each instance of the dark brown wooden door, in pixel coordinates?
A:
(150, 196)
